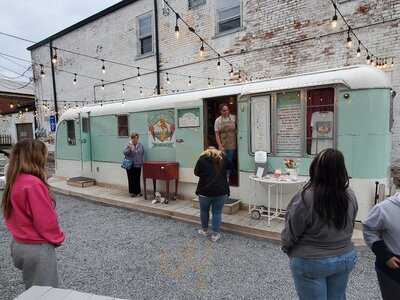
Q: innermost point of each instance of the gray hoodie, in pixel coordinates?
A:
(383, 223)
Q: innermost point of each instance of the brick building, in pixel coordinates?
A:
(264, 39)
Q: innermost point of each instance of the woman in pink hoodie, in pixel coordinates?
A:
(30, 215)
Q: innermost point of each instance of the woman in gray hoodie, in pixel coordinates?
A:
(318, 228)
(382, 235)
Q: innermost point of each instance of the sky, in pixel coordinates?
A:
(36, 20)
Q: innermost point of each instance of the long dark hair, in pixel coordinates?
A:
(29, 157)
(329, 182)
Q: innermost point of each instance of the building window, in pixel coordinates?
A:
(320, 119)
(196, 3)
(228, 15)
(71, 132)
(145, 34)
(123, 129)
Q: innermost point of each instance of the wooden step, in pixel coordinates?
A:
(229, 208)
(81, 182)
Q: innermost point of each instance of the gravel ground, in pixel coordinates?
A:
(126, 254)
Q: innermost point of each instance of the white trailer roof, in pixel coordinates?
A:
(354, 77)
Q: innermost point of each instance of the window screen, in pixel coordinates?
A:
(145, 34)
(228, 15)
(123, 129)
(71, 132)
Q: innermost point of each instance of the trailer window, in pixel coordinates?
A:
(288, 133)
(123, 129)
(320, 120)
(85, 125)
(71, 132)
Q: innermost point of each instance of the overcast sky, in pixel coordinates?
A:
(36, 20)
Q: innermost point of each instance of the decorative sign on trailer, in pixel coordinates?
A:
(161, 128)
(261, 124)
(289, 129)
(189, 117)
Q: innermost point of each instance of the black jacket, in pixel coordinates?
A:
(212, 182)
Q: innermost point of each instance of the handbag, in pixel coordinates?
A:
(127, 164)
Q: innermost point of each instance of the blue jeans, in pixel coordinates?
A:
(216, 204)
(230, 155)
(324, 278)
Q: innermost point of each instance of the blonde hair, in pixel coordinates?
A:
(29, 157)
(134, 134)
(214, 153)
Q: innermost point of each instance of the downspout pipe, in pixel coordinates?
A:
(157, 46)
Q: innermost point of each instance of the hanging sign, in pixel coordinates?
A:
(52, 120)
(161, 128)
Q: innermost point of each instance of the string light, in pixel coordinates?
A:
(168, 81)
(224, 81)
(209, 82)
(123, 89)
(231, 71)
(359, 49)
(190, 81)
(74, 82)
(138, 73)
(177, 27)
(392, 62)
(42, 74)
(11, 105)
(103, 67)
(141, 91)
(219, 63)
(102, 84)
(334, 19)
(368, 58)
(349, 41)
(55, 58)
(202, 48)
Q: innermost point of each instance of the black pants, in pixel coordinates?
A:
(134, 180)
(390, 289)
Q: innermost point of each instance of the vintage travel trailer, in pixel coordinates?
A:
(289, 117)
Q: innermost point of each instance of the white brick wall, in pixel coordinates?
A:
(278, 38)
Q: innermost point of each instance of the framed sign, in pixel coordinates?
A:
(260, 123)
(189, 117)
(161, 128)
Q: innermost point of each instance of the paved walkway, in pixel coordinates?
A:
(181, 210)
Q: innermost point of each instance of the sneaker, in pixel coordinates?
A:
(203, 232)
(215, 237)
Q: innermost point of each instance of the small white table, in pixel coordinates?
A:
(278, 183)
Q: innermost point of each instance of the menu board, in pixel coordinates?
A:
(289, 129)
(260, 119)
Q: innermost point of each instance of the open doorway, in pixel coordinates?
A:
(212, 110)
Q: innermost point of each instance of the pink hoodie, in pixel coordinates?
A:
(33, 218)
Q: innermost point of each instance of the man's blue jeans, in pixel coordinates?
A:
(216, 204)
(324, 278)
(230, 155)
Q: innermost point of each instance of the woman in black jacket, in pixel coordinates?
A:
(212, 189)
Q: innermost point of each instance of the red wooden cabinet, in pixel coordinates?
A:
(161, 170)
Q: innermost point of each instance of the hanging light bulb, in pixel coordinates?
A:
(168, 81)
(240, 76)
(334, 20)
(373, 61)
(209, 82)
(359, 49)
(55, 58)
(392, 62)
(386, 63)
(102, 84)
(141, 91)
(202, 48)
(177, 27)
(74, 81)
(219, 63)
(368, 58)
(224, 81)
(231, 71)
(190, 81)
(138, 73)
(11, 105)
(42, 74)
(103, 67)
(349, 42)
(123, 89)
